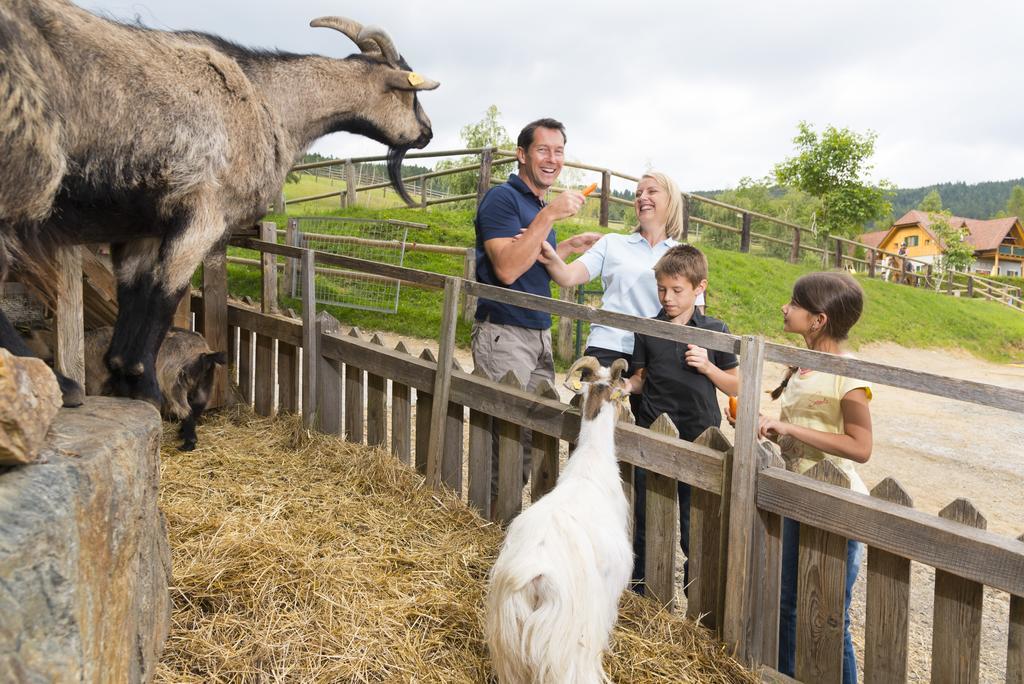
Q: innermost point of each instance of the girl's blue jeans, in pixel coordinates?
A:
(787, 612)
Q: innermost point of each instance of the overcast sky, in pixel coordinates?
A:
(708, 92)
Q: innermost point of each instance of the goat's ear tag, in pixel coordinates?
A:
(576, 384)
(415, 79)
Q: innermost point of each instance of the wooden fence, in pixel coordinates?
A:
(353, 386)
(802, 241)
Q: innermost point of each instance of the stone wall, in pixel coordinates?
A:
(84, 560)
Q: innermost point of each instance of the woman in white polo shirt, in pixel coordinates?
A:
(625, 265)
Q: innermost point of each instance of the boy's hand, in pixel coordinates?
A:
(697, 358)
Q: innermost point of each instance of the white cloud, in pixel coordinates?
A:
(708, 92)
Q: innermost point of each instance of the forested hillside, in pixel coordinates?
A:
(978, 200)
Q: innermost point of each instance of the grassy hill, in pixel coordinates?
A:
(746, 291)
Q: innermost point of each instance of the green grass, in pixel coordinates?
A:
(746, 291)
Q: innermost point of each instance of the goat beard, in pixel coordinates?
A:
(395, 157)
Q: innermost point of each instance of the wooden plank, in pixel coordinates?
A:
(401, 413)
(310, 339)
(745, 232)
(443, 381)
(1015, 642)
(183, 312)
(469, 273)
(888, 602)
(743, 621)
(376, 405)
(354, 384)
(705, 542)
(544, 451)
(769, 554)
(480, 449)
(245, 365)
(510, 462)
(606, 192)
(69, 352)
(291, 265)
(451, 454)
(563, 342)
(350, 183)
(232, 353)
(268, 262)
(329, 379)
(821, 587)
(956, 636)
(974, 554)
(287, 377)
(662, 514)
(263, 386)
(214, 312)
(794, 253)
(483, 180)
(424, 411)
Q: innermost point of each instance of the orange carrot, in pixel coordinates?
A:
(589, 189)
(732, 407)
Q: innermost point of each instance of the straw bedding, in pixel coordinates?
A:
(300, 557)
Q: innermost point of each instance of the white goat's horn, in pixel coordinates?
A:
(618, 367)
(586, 362)
(351, 29)
(383, 40)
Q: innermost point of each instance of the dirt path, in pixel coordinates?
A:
(939, 450)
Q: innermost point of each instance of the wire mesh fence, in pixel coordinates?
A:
(380, 240)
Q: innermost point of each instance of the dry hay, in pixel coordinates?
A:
(301, 557)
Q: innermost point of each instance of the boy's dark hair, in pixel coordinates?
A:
(833, 293)
(683, 260)
(526, 135)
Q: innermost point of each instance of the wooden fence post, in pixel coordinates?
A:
(484, 181)
(686, 217)
(215, 316)
(745, 233)
(469, 273)
(794, 252)
(376, 405)
(606, 193)
(442, 380)
(563, 341)
(354, 384)
(888, 603)
(69, 354)
(838, 253)
(451, 450)
(1015, 641)
(745, 618)
(329, 377)
(510, 463)
(424, 413)
(544, 451)
(970, 286)
(872, 258)
(291, 265)
(310, 350)
(662, 514)
(706, 520)
(350, 183)
(821, 586)
(183, 313)
(480, 449)
(956, 638)
(401, 414)
(268, 263)
(279, 203)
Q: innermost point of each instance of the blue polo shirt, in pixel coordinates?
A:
(507, 209)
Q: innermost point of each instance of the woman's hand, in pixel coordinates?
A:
(548, 255)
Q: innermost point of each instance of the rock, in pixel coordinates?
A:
(29, 399)
(84, 556)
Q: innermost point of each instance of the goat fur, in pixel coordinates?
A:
(162, 143)
(555, 588)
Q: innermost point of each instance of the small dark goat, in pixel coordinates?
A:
(184, 369)
(161, 144)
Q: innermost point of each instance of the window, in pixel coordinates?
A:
(912, 241)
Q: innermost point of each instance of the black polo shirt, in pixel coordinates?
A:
(670, 386)
(505, 210)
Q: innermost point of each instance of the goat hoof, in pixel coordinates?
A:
(72, 393)
(187, 446)
(115, 363)
(138, 369)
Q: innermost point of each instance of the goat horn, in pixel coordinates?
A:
(351, 29)
(618, 367)
(383, 41)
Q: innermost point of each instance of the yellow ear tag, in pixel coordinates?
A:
(576, 384)
(415, 79)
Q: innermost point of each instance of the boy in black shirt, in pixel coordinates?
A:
(679, 380)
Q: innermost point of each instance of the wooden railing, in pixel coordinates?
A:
(740, 495)
(800, 243)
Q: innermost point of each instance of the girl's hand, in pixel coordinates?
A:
(697, 358)
(771, 428)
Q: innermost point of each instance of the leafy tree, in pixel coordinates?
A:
(932, 202)
(1015, 205)
(487, 132)
(833, 168)
(957, 252)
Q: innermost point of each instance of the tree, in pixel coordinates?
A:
(487, 132)
(957, 252)
(932, 202)
(834, 168)
(1015, 205)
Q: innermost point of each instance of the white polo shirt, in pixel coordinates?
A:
(625, 264)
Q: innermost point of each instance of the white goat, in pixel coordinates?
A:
(554, 590)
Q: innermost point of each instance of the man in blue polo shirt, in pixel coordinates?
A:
(511, 223)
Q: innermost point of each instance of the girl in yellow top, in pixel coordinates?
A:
(823, 416)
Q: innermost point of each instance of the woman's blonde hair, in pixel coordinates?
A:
(674, 222)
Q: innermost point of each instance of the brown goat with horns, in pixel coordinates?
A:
(161, 143)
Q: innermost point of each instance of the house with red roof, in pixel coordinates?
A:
(998, 243)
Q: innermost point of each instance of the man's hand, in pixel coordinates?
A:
(565, 205)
